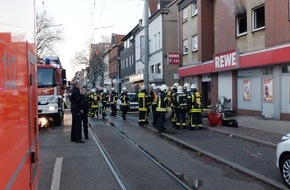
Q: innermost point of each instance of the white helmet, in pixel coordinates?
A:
(105, 90)
(176, 85)
(153, 86)
(142, 87)
(179, 89)
(124, 89)
(163, 88)
(112, 89)
(193, 86)
(186, 86)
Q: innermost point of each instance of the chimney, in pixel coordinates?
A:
(113, 40)
(153, 6)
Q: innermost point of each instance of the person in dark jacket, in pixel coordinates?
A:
(85, 108)
(114, 98)
(161, 108)
(76, 110)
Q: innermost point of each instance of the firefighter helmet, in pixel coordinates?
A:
(193, 86)
(176, 85)
(163, 88)
(153, 86)
(186, 86)
(124, 89)
(142, 87)
(105, 90)
(179, 89)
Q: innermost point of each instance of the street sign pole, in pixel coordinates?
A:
(146, 52)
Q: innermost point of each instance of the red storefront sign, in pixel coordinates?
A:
(225, 61)
(173, 58)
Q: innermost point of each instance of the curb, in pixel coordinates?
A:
(244, 137)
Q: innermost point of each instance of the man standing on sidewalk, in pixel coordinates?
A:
(76, 110)
(114, 98)
(85, 108)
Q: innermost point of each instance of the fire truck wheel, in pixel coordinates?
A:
(58, 119)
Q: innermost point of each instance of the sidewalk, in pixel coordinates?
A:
(266, 131)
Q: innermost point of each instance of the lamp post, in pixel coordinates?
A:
(146, 48)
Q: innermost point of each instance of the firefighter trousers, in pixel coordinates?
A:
(161, 121)
(113, 109)
(180, 117)
(155, 114)
(142, 117)
(196, 120)
(124, 112)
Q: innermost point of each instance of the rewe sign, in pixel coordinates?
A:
(225, 61)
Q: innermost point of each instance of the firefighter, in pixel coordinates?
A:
(161, 108)
(173, 109)
(114, 98)
(153, 97)
(143, 101)
(181, 108)
(195, 111)
(104, 99)
(124, 103)
(187, 91)
(94, 100)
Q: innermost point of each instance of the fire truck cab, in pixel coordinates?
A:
(51, 88)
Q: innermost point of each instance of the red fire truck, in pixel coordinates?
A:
(19, 142)
(51, 89)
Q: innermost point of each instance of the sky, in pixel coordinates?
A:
(87, 21)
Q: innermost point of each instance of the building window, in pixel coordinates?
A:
(289, 10)
(158, 68)
(152, 69)
(159, 40)
(241, 24)
(185, 14)
(286, 69)
(185, 46)
(155, 41)
(268, 71)
(259, 18)
(126, 62)
(194, 8)
(194, 43)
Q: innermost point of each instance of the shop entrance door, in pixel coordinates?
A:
(206, 94)
(268, 100)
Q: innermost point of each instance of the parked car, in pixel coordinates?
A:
(133, 101)
(283, 158)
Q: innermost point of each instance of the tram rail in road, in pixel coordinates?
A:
(181, 183)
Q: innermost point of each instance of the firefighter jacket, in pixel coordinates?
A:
(162, 102)
(104, 98)
(143, 101)
(169, 96)
(114, 98)
(181, 100)
(153, 97)
(94, 99)
(196, 102)
(124, 99)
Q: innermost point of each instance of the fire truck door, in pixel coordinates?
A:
(33, 112)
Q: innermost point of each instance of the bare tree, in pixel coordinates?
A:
(94, 63)
(47, 34)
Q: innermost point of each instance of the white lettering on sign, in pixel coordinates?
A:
(225, 61)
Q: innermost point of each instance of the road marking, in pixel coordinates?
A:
(56, 174)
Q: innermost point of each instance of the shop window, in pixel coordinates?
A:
(286, 69)
(194, 43)
(268, 71)
(185, 46)
(185, 14)
(241, 24)
(194, 8)
(259, 18)
(158, 68)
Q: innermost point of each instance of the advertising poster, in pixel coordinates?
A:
(268, 90)
(246, 90)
